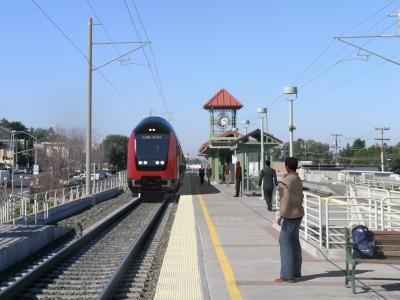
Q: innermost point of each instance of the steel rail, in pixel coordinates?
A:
(111, 287)
(29, 278)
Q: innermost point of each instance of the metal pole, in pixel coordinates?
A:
(36, 151)
(94, 177)
(89, 109)
(21, 177)
(262, 143)
(291, 127)
(13, 163)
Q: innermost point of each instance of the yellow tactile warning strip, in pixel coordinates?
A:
(226, 268)
(180, 274)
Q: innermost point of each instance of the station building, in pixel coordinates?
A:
(226, 145)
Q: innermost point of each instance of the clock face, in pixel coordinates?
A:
(223, 120)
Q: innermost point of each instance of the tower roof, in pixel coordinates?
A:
(223, 99)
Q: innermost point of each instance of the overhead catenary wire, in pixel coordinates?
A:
(150, 47)
(327, 47)
(156, 82)
(332, 42)
(346, 82)
(107, 33)
(75, 46)
(344, 58)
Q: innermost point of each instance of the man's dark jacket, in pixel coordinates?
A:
(269, 176)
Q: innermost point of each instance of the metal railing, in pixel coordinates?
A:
(326, 217)
(22, 205)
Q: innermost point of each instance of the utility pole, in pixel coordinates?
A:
(90, 70)
(304, 147)
(382, 139)
(89, 108)
(336, 146)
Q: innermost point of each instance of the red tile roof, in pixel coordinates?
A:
(223, 99)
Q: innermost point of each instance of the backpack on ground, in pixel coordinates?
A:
(363, 242)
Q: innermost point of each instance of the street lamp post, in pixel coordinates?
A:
(291, 90)
(246, 124)
(13, 160)
(262, 111)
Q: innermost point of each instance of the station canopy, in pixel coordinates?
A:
(234, 140)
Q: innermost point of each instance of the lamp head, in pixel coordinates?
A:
(262, 110)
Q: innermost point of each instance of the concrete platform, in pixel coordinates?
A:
(238, 255)
(20, 241)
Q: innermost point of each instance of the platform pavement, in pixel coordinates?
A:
(251, 260)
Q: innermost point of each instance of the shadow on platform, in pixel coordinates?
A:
(329, 274)
(192, 186)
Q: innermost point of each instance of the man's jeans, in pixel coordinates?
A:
(290, 249)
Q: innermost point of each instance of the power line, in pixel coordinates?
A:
(81, 53)
(158, 87)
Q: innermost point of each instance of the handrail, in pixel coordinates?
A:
(21, 205)
(381, 213)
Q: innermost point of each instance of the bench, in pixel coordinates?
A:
(387, 241)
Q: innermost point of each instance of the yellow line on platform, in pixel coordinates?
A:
(226, 268)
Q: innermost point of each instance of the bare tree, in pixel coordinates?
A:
(61, 152)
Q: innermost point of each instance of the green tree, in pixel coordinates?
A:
(116, 150)
(395, 165)
(309, 150)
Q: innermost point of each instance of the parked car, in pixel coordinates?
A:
(79, 177)
(28, 171)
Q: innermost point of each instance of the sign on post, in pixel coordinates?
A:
(35, 169)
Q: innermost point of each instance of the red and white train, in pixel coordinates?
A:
(155, 158)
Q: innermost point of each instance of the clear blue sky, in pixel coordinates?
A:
(251, 48)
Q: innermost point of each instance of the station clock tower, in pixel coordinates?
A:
(222, 108)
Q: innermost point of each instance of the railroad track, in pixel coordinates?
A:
(91, 266)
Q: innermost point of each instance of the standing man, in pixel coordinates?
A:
(238, 178)
(291, 213)
(269, 181)
(208, 173)
(201, 174)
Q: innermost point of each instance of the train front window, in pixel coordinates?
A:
(152, 148)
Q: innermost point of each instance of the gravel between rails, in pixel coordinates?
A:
(91, 215)
(83, 275)
(77, 222)
(141, 279)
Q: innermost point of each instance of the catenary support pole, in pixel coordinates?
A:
(89, 109)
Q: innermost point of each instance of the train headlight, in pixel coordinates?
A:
(140, 162)
(157, 162)
(145, 162)
(162, 162)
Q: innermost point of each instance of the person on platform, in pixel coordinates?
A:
(208, 173)
(226, 174)
(201, 175)
(291, 213)
(269, 182)
(238, 177)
